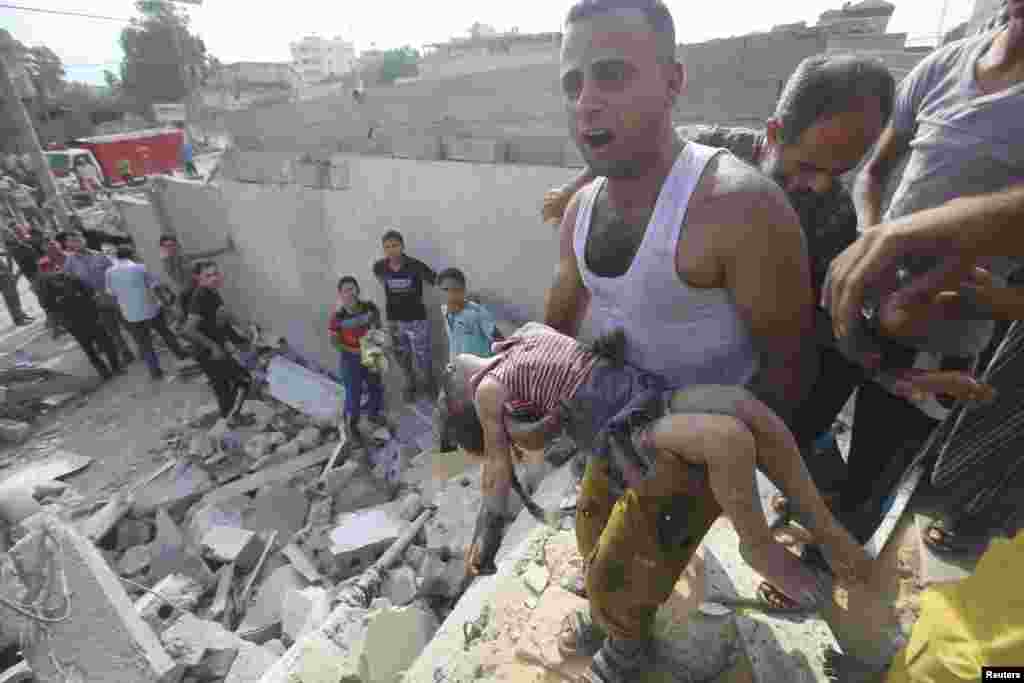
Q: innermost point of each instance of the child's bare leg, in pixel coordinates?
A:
(727, 447)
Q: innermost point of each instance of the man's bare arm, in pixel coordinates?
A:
(497, 472)
(567, 299)
(767, 271)
(870, 184)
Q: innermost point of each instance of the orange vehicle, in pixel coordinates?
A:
(125, 157)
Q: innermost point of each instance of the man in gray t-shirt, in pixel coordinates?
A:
(965, 137)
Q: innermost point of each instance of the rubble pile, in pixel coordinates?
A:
(274, 551)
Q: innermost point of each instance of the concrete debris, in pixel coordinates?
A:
(536, 578)
(380, 603)
(262, 413)
(281, 508)
(204, 516)
(13, 431)
(17, 503)
(308, 438)
(334, 480)
(174, 553)
(19, 673)
(362, 491)
(206, 648)
(414, 555)
(57, 466)
(275, 646)
(400, 586)
(262, 620)
(230, 544)
(250, 664)
(284, 453)
(411, 506)
(133, 532)
(362, 536)
(171, 596)
(134, 561)
(173, 490)
(441, 579)
(331, 654)
(394, 638)
(304, 610)
(225, 579)
(302, 564)
(205, 415)
(271, 475)
(103, 638)
(259, 446)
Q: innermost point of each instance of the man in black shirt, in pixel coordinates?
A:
(73, 304)
(402, 277)
(209, 328)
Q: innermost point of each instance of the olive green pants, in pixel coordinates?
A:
(637, 547)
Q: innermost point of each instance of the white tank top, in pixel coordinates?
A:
(685, 334)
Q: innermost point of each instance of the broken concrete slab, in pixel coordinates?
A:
(134, 561)
(263, 615)
(275, 646)
(251, 664)
(394, 638)
(362, 491)
(400, 586)
(229, 544)
(271, 475)
(204, 516)
(59, 465)
(536, 578)
(104, 638)
(206, 648)
(222, 596)
(309, 438)
(133, 532)
(302, 564)
(329, 654)
(170, 597)
(362, 536)
(306, 391)
(411, 506)
(174, 553)
(16, 504)
(175, 490)
(12, 431)
(280, 508)
(304, 610)
(19, 673)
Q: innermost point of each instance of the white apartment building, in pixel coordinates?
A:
(315, 58)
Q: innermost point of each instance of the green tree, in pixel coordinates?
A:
(163, 60)
(402, 62)
(46, 71)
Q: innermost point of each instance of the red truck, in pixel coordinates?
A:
(127, 156)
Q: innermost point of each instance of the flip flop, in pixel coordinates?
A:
(942, 538)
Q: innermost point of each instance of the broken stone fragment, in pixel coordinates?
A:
(258, 446)
(394, 638)
(230, 544)
(133, 532)
(362, 536)
(400, 586)
(308, 438)
(170, 597)
(411, 506)
(536, 578)
(292, 449)
(414, 555)
(263, 616)
(250, 664)
(275, 646)
(304, 610)
(134, 561)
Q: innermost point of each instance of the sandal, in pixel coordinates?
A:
(580, 636)
(620, 662)
(943, 538)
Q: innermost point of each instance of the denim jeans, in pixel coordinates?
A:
(356, 374)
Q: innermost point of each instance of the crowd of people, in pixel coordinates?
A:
(741, 294)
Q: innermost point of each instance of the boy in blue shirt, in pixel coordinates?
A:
(471, 329)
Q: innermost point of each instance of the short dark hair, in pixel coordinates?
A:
(452, 274)
(168, 238)
(125, 251)
(826, 85)
(348, 279)
(199, 266)
(654, 11)
(392, 235)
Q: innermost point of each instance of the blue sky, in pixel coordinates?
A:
(236, 30)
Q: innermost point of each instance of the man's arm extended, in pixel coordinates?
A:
(966, 229)
(768, 273)
(567, 298)
(870, 183)
(496, 479)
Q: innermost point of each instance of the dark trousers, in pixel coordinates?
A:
(356, 374)
(142, 333)
(9, 291)
(226, 378)
(836, 380)
(110, 318)
(93, 339)
(888, 432)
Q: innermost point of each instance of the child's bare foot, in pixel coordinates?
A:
(785, 572)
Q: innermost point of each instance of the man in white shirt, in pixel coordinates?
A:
(132, 286)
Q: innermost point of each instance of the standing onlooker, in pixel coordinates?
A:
(132, 287)
(402, 277)
(9, 291)
(176, 266)
(73, 303)
(209, 327)
(351, 321)
(23, 251)
(470, 326)
(91, 267)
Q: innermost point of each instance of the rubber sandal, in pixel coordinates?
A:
(579, 635)
(952, 543)
(774, 598)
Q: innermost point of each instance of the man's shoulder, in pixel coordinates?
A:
(379, 267)
(946, 59)
(741, 142)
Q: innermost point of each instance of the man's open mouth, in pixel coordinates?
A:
(597, 137)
